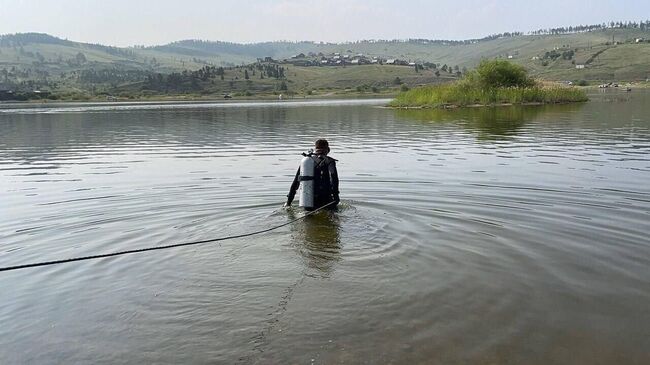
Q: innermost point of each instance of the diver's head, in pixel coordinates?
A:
(321, 147)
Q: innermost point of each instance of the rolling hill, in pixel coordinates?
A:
(30, 61)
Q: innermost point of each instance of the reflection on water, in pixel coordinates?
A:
(482, 236)
(317, 240)
(489, 123)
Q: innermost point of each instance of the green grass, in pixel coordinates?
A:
(458, 94)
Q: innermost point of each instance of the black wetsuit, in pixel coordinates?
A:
(326, 182)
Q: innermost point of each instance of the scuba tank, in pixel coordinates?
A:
(307, 167)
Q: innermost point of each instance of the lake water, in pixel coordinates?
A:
(483, 236)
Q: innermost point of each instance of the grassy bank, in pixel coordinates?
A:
(458, 95)
(492, 83)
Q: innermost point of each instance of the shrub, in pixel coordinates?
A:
(499, 73)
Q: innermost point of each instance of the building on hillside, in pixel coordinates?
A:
(400, 63)
(391, 61)
(580, 66)
(639, 40)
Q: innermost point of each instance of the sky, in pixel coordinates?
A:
(147, 22)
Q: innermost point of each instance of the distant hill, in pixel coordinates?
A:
(609, 52)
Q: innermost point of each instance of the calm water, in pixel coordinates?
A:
(484, 236)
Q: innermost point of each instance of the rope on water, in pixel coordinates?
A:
(119, 253)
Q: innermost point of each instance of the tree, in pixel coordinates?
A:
(499, 73)
(80, 58)
(246, 74)
(397, 81)
(283, 86)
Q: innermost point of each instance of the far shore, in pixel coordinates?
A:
(342, 94)
(198, 102)
(207, 99)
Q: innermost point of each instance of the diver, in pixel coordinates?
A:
(318, 179)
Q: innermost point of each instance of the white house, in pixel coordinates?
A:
(580, 67)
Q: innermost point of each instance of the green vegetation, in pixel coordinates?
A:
(493, 82)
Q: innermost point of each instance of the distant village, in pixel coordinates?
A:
(338, 59)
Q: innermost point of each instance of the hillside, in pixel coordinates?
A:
(32, 61)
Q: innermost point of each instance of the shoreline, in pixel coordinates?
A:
(139, 105)
(328, 96)
(198, 100)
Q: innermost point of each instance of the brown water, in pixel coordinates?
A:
(483, 236)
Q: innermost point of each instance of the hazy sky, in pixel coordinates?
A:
(130, 22)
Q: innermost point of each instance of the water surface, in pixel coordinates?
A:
(507, 235)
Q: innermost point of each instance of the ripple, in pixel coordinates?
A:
(462, 237)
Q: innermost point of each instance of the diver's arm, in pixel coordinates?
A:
(294, 188)
(335, 180)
